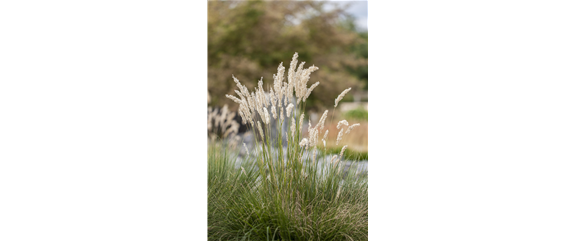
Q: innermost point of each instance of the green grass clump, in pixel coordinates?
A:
(310, 207)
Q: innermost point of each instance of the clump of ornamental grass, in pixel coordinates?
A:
(221, 125)
(291, 193)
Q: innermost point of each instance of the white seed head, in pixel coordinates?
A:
(286, 96)
(238, 93)
(274, 112)
(340, 97)
(235, 99)
(326, 133)
(272, 98)
(236, 81)
(303, 142)
(324, 143)
(281, 113)
(314, 136)
(351, 128)
(333, 158)
(266, 116)
(343, 150)
(278, 80)
(252, 103)
(291, 76)
(340, 136)
(321, 123)
(341, 123)
(309, 91)
(289, 109)
(260, 129)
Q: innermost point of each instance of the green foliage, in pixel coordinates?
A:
(349, 154)
(315, 207)
(241, 207)
(359, 114)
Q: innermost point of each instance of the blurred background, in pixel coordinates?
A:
(248, 39)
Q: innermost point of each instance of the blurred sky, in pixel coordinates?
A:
(358, 9)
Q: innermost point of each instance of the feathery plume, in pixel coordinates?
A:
(343, 150)
(340, 97)
(289, 108)
(274, 112)
(325, 136)
(244, 113)
(242, 88)
(235, 99)
(291, 76)
(299, 88)
(272, 97)
(286, 95)
(262, 94)
(333, 158)
(314, 136)
(343, 122)
(266, 116)
(251, 100)
(351, 127)
(278, 80)
(321, 123)
(236, 81)
(309, 91)
(303, 142)
(247, 150)
(260, 129)
(238, 93)
(340, 136)
(281, 113)
(299, 70)
(307, 74)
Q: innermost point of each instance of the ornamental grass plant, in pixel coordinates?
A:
(286, 187)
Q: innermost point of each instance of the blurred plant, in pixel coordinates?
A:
(359, 114)
(220, 125)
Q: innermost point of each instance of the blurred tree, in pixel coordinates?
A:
(360, 49)
(249, 39)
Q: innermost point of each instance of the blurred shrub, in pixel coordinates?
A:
(359, 114)
(349, 154)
